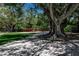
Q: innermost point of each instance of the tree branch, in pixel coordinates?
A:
(64, 7)
(71, 10)
(51, 12)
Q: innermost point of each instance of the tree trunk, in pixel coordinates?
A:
(51, 28)
(63, 25)
(58, 31)
(51, 31)
(58, 28)
(55, 30)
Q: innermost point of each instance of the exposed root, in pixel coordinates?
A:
(46, 35)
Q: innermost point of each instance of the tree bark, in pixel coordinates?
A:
(58, 31)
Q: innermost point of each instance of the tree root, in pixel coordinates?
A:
(48, 35)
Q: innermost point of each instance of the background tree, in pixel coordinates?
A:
(11, 14)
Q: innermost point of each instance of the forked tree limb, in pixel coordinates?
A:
(64, 7)
(71, 10)
(65, 13)
(51, 11)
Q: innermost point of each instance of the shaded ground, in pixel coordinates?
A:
(38, 47)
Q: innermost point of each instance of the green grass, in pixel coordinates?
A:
(8, 37)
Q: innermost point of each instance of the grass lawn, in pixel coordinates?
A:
(8, 37)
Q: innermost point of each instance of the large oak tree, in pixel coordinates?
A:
(58, 14)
